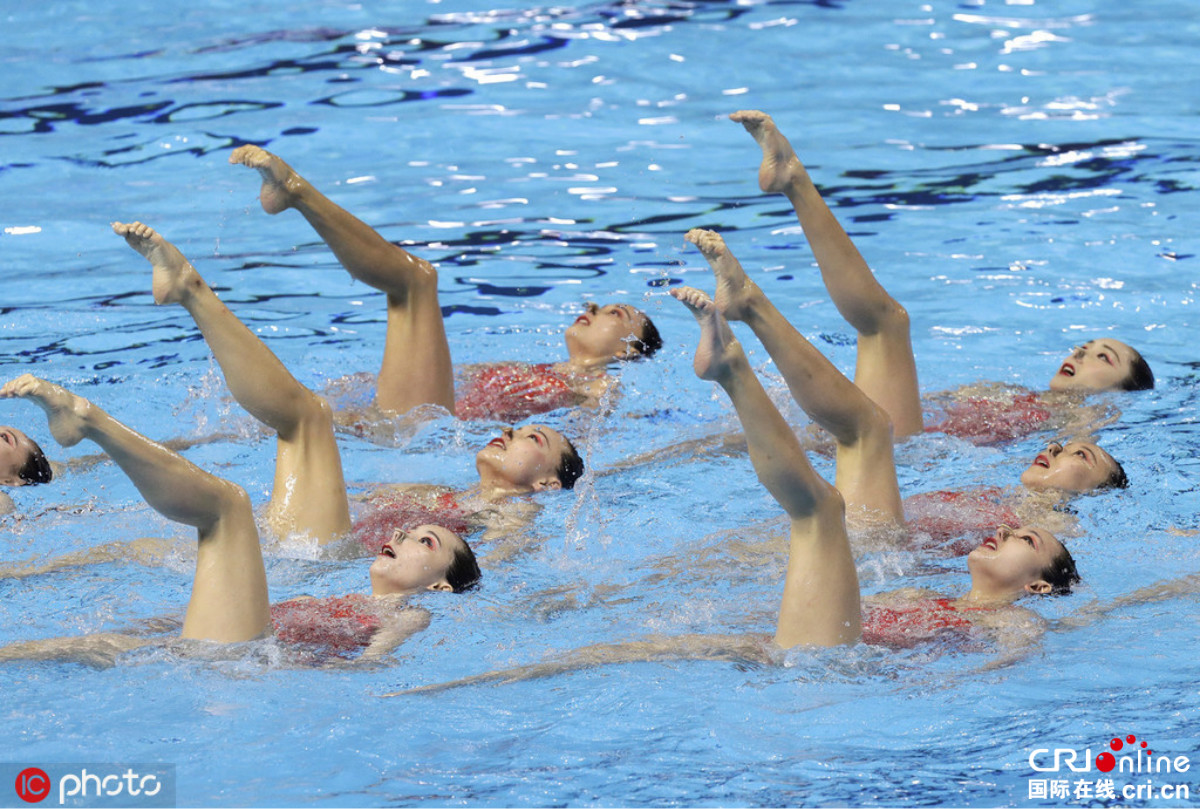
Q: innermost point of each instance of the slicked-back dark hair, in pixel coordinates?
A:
(1118, 479)
(463, 573)
(650, 341)
(1061, 574)
(37, 468)
(1140, 376)
(570, 466)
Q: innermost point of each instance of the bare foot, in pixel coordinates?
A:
(66, 413)
(718, 349)
(280, 182)
(781, 171)
(736, 293)
(174, 276)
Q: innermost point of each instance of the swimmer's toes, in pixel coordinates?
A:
(65, 412)
(695, 300)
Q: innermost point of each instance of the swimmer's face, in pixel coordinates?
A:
(1011, 561)
(1096, 365)
(606, 332)
(1079, 466)
(16, 449)
(525, 459)
(414, 560)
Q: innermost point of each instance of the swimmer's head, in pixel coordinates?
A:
(1061, 574)
(1020, 561)
(570, 465)
(1103, 364)
(615, 331)
(22, 462)
(463, 573)
(428, 557)
(527, 459)
(648, 343)
(1078, 466)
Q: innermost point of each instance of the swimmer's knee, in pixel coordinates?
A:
(322, 411)
(829, 500)
(425, 276)
(879, 422)
(892, 318)
(871, 422)
(234, 502)
(314, 414)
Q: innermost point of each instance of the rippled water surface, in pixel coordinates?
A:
(1021, 175)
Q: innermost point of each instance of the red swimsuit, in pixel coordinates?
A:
(404, 511)
(336, 627)
(512, 393)
(906, 626)
(963, 516)
(987, 421)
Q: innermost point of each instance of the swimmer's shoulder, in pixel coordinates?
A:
(1010, 618)
(397, 623)
(903, 597)
(425, 493)
(994, 391)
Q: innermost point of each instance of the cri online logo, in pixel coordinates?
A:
(1135, 757)
(1106, 760)
(33, 784)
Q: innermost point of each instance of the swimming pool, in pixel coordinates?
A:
(1020, 174)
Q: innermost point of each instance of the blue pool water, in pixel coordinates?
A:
(1022, 175)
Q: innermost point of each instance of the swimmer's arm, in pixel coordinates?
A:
(1161, 591)
(99, 651)
(741, 649)
(1085, 420)
(84, 462)
(727, 444)
(399, 628)
(506, 521)
(147, 551)
(503, 547)
(724, 444)
(600, 393)
(1017, 633)
(6, 504)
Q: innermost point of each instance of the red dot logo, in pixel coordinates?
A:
(1116, 744)
(33, 784)
(1105, 762)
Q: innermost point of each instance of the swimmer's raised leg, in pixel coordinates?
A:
(229, 595)
(820, 598)
(866, 472)
(886, 370)
(310, 493)
(416, 366)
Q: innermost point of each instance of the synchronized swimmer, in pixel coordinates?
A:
(309, 496)
(417, 367)
(22, 463)
(415, 533)
(229, 601)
